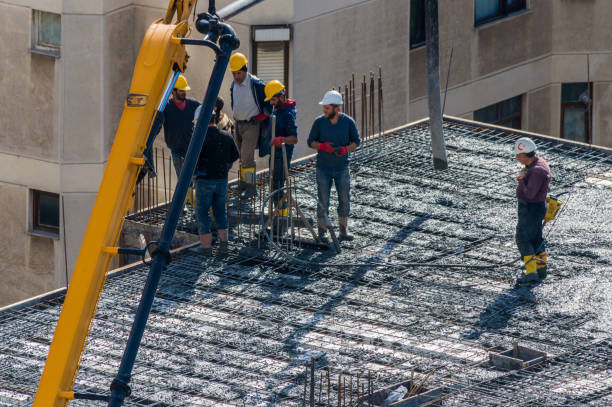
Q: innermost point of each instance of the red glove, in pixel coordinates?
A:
(343, 150)
(327, 147)
(520, 177)
(260, 117)
(277, 141)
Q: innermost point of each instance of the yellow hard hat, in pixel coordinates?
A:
(181, 83)
(272, 88)
(237, 61)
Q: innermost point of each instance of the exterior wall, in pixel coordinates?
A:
(28, 262)
(69, 107)
(340, 44)
(531, 53)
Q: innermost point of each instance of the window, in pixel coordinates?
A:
(576, 106)
(271, 53)
(417, 23)
(45, 212)
(46, 32)
(506, 113)
(490, 10)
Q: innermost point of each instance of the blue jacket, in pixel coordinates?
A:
(257, 87)
(285, 127)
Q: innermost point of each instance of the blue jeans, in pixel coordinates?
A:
(529, 238)
(342, 179)
(177, 160)
(210, 192)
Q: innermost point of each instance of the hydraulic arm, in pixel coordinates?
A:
(161, 58)
(161, 54)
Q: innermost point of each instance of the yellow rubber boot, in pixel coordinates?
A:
(531, 272)
(190, 198)
(541, 266)
(249, 180)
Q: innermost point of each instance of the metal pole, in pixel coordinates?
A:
(438, 146)
(161, 256)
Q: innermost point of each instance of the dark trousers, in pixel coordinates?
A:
(279, 171)
(529, 238)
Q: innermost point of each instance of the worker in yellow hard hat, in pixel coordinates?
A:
(285, 133)
(178, 121)
(249, 107)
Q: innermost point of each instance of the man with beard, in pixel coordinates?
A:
(335, 136)
(285, 132)
(178, 122)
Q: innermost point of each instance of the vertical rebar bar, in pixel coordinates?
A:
(164, 172)
(320, 388)
(364, 133)
(312, 382)
(372, 129)
(353, 113)
(339, 389)
(328, 387)
(381, 126)
(305, 384)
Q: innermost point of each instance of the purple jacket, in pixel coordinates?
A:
(533, 187)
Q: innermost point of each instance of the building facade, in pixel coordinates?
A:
(66, 65)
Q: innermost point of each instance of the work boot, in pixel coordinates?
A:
(223, 249)
(205, 251)
(322, 235)
(531, 272)
(344, 235)
(541, 266)
(249, 179)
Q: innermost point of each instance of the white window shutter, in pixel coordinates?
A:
(271, 61)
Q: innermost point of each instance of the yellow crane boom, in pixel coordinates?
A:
(161, 54)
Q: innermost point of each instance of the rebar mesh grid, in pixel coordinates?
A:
(237, 331)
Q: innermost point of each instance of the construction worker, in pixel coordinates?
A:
(286, 132)
(533, 182)
(335, 136)
(218, 154)
(178, 122)
(247, 94)
(225, 123)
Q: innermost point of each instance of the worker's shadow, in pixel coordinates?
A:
(497, 315)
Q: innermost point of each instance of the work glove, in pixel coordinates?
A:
(342, 151)
(260, 117)
(521, 174)
(327, 147)
(277, 141)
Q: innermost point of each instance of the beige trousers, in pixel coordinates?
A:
(247, 135)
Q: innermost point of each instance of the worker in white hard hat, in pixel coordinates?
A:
(335, 136)
(249, 108)
(531, 191)
(178, 122)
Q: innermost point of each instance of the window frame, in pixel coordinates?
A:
(418, 44)
(38, 228)
(503, 12)
(516, 119)
(38, 46)
(286, 50)
(588, 113)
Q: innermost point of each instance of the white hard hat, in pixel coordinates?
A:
(331, 98)
(524, 145)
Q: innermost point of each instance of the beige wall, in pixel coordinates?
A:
(329, 48)
(28, 262)
(69, 107)
(531, 54)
